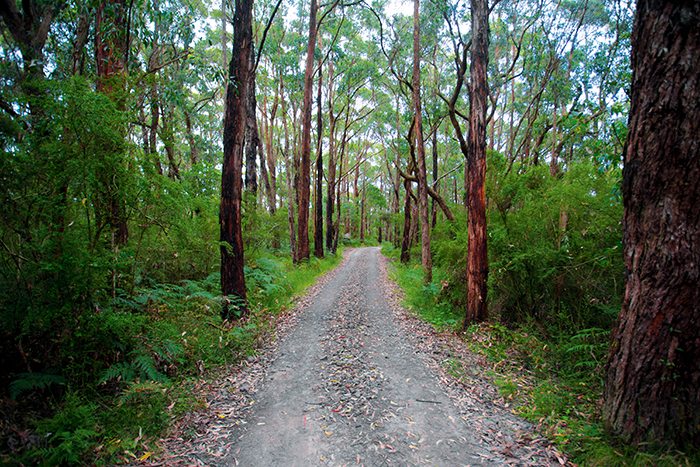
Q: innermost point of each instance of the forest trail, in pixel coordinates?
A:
(349, 384)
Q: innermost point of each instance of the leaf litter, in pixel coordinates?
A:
(379, 393)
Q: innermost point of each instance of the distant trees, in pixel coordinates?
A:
(652, 389)
(231, 236)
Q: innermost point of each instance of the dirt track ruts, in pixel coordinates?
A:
(349, 385)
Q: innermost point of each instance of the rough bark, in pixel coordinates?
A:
(652, 389)
(231, 236)
(305, 169)
(477, 259)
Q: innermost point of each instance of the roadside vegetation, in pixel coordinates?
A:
(554, 297)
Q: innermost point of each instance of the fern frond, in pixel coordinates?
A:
(26, 382)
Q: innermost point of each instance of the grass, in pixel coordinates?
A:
(553, 381)
(159, 342)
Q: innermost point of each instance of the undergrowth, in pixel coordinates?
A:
(552, 378)
(138, 360)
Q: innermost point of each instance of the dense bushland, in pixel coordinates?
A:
(99, 339)
(554, 246)
(555, 285)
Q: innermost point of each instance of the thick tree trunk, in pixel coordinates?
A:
(477, 259)
(305, 169)
(318, 202)
(231, 236)
(652, 389)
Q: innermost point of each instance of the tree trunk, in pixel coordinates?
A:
(305, 169)
(291, 189)
(318, 202)
(194, 151)
(153, 129)
(406, 242)
(81, 37)
(269, 160)
(433, 208)
(426, 258)
(110, 54)
(252, 138)
(652, 390)
(231, 237)
(362, 213)
(477, 259)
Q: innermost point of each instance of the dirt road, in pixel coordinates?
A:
(348, 385)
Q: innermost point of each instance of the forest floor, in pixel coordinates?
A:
(354, 379)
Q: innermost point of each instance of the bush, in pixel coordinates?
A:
(554, 247)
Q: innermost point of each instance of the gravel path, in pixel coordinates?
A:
(355, 381)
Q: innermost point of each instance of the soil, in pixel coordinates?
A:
(354, 379)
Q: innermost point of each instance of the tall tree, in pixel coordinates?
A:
(652, 390)
(426, 258)
(477, 260)
(231, 237)
(304, 186)
(111, 46)
(318, 191)
(252, 137)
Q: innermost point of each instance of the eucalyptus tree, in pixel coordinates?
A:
(651, 390)
(232, 256)
(426, 258)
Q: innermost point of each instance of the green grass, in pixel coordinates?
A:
(554, 381)
(422, 299)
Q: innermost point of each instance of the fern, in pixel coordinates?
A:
(27, 382)
(122, 371)
(147, 367)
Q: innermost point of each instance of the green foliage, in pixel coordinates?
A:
(554, 247)
(424, 299)
(25, 382)
(70, 434)
(557, 384)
